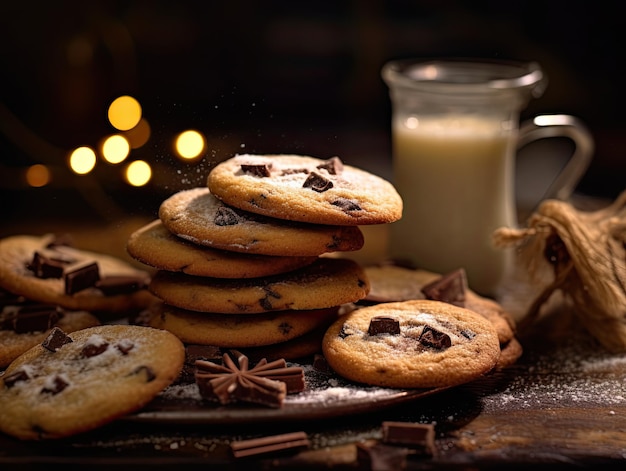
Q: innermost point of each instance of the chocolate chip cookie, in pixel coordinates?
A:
(199, 217)
(307, 189)
(41, 269)
(72, 383)
(156, 246)
(325, 283)
(412, 344)
(239, 331)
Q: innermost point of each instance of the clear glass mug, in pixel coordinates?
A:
(455, 137)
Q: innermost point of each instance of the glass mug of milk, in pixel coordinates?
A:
(455, 137)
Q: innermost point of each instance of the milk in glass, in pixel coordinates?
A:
(461, 165)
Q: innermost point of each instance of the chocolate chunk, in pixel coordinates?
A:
(419, 437)
(94, 347)
(81, 277)
(125, 346)
(257, 170)
(35, 318)
(55, 385)
(346, 205)
(450, 288)
(334, 166)
(383, 325)
(195, 352)
(46, 267)
(225, 217)
(11, 379)
(318, 183)
(320, 363)
(120, 284)
(433, 338)
(150, 375)
(343, 333)
(269, 445)
(56, 339)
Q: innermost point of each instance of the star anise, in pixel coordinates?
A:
(266, 383)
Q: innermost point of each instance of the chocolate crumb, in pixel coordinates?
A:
(433, 338)
(125, 346)
(346, 205)
(150, 375)
(11, 379)
(417, 436)
(257, 170)
(450, 288)
(318, 183)
(81, 277)
(225, 217)
(55, 385)
(383, 325)
(56, 339)
(92, 349)
(334, 166)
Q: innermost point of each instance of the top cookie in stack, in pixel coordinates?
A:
(240, 262)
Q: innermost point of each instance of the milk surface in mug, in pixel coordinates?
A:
(452, 174)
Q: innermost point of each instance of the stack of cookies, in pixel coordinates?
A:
(241, 262)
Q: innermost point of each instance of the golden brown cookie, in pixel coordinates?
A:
(390, 283)
(15, 342)
(412, 344)
(198, 216)
(157, 247)
(36, 268)
(307, 189)
(73, 383)
(325, 283)
(238, 331)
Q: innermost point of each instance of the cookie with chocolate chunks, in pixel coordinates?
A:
(40, 270)
(438, 345)
(392, 283)
(325, 283)
(154, 245)
(76, 382)
(239, 331)
(199, 217)
(24, 324)
(306, 189)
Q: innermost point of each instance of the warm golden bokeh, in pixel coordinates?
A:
(189, 144)
(82, 160)
(138, 173)
(124, 113)
(37, 175)
(115, 149)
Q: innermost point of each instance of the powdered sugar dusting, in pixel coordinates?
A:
(576, 373)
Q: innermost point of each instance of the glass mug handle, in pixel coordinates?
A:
(561, 125)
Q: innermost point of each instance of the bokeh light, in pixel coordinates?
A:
(115, 149)
(124, 113)
(82, 160)
(138, 135)
(37, 175)
(138, 173)
(189, 144)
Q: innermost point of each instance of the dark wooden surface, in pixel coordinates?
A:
(561, 406)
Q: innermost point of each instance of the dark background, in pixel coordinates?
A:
(270, 77)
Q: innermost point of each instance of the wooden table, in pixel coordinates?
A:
(563, 404)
